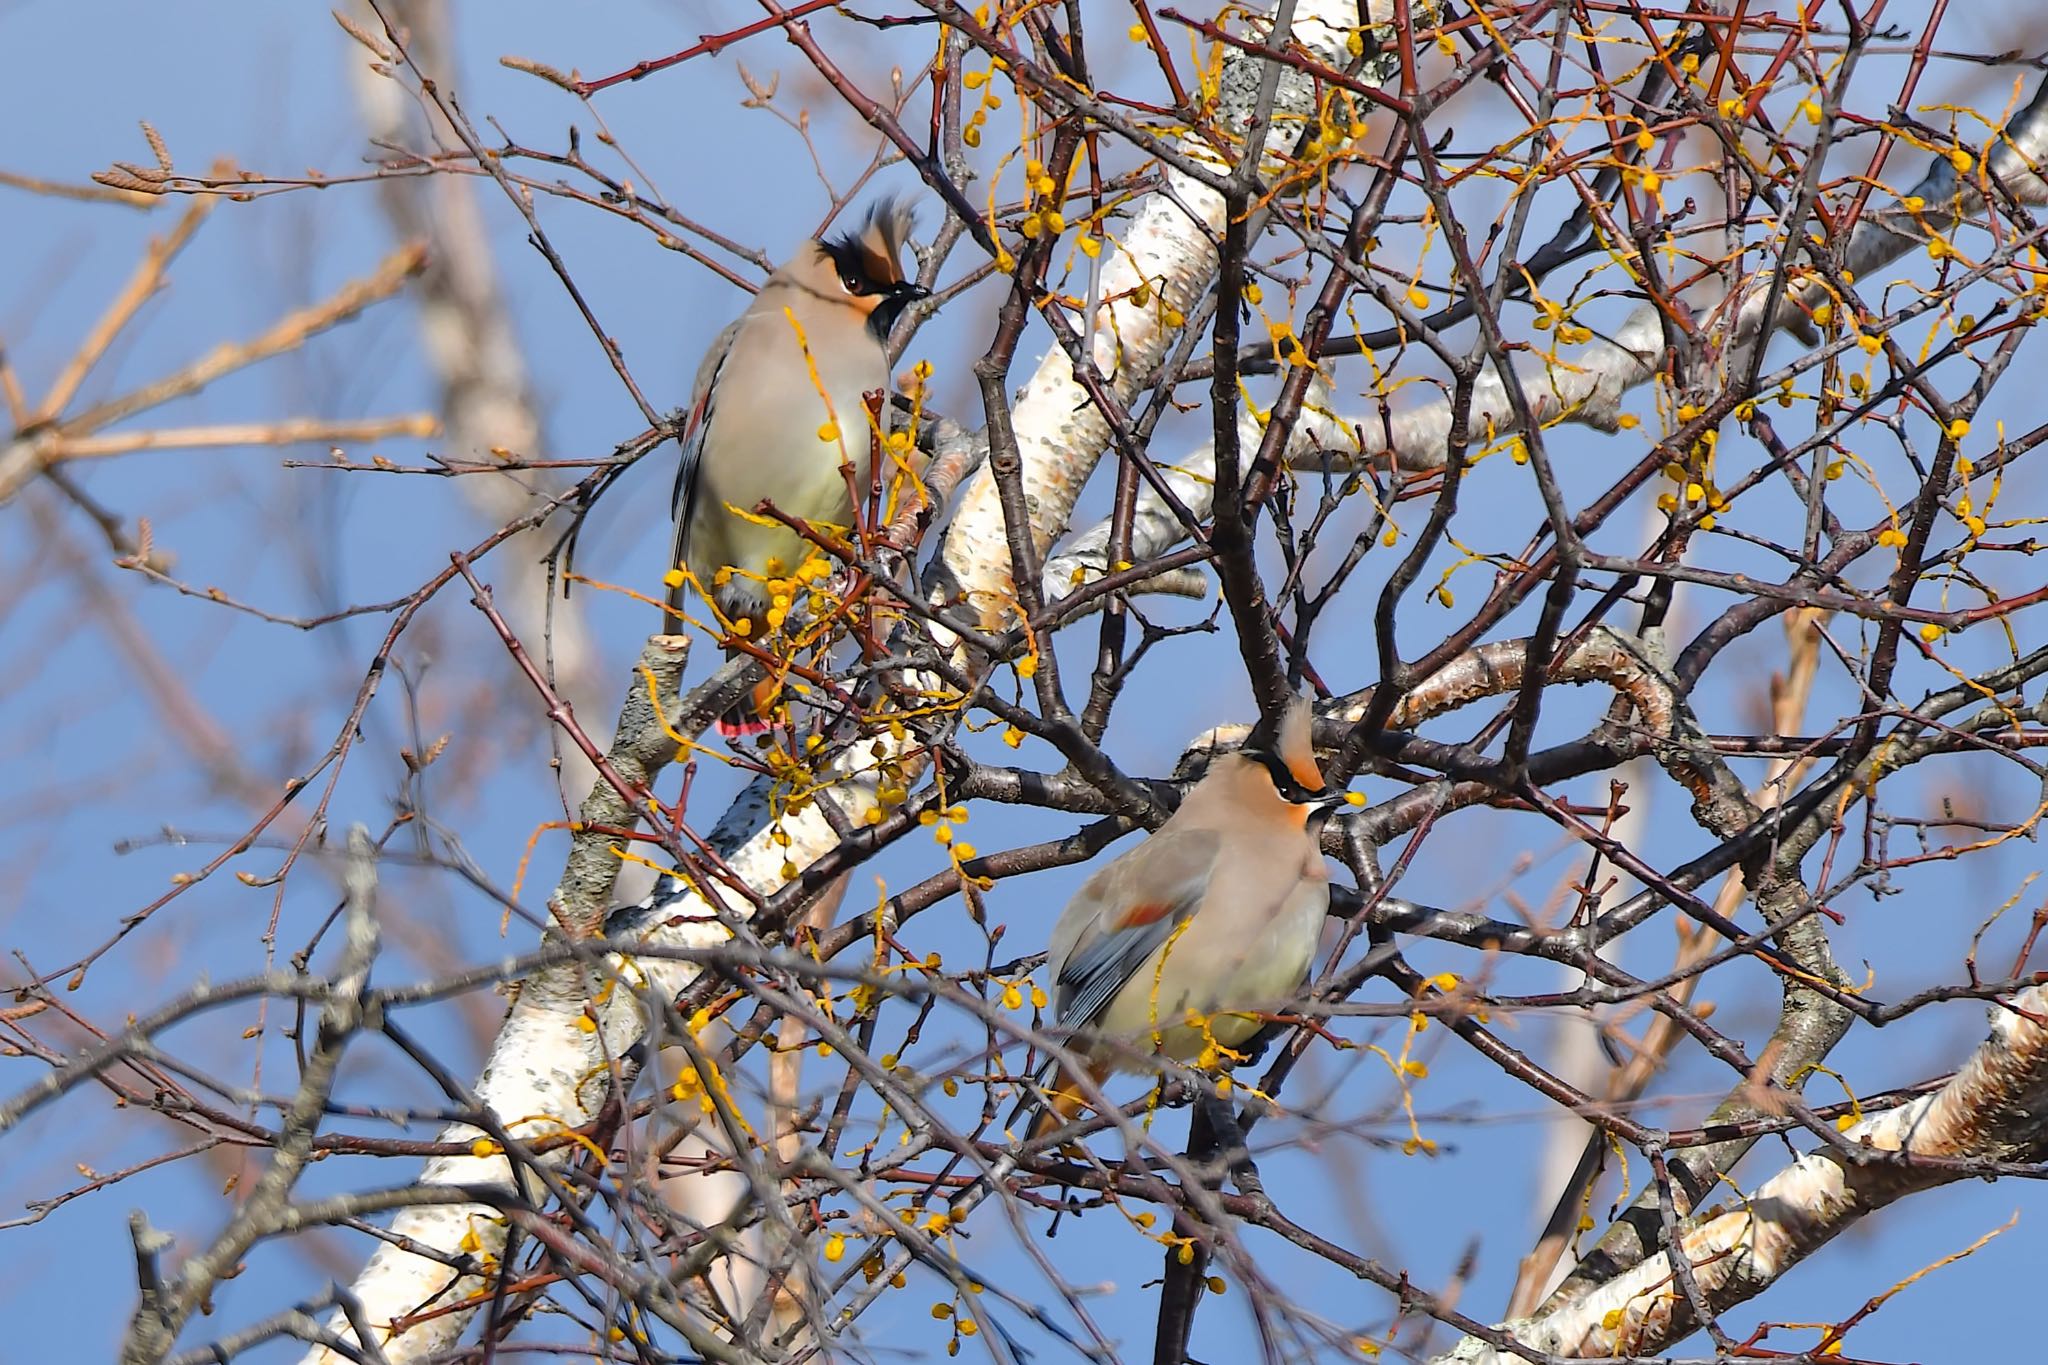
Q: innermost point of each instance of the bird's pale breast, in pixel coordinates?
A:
(783, 444)
(1220, 963)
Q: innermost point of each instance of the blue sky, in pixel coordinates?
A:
(104, 786)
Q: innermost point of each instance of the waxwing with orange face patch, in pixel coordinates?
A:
(777, 416)
(1185, 945)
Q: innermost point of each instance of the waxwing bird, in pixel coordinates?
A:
(777, 414)
(1176, 947)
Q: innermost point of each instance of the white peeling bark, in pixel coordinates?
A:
(1995, 1109)
(2010, 166)
(1586, 388)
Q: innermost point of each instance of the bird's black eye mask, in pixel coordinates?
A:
(861, 276)
(851, 263)
(1284, 780)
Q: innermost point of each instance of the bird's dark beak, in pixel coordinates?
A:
(890, 304)
(1326, 806)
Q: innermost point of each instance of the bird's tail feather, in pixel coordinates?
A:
(1051, 1100)
(748, 716)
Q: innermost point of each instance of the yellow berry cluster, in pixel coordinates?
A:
(892, 777)
(783, 589)
(1552, 314)
(1695, 489)
(1043, 195)
(940, 823)
(958, 1313)
(979, 80)
(1338, 124)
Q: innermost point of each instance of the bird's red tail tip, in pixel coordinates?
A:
(742, 727)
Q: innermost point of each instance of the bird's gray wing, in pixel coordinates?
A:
(683, 501)
(1125, 912)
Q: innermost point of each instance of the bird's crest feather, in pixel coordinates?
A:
(875, 248)
(1296, 748)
